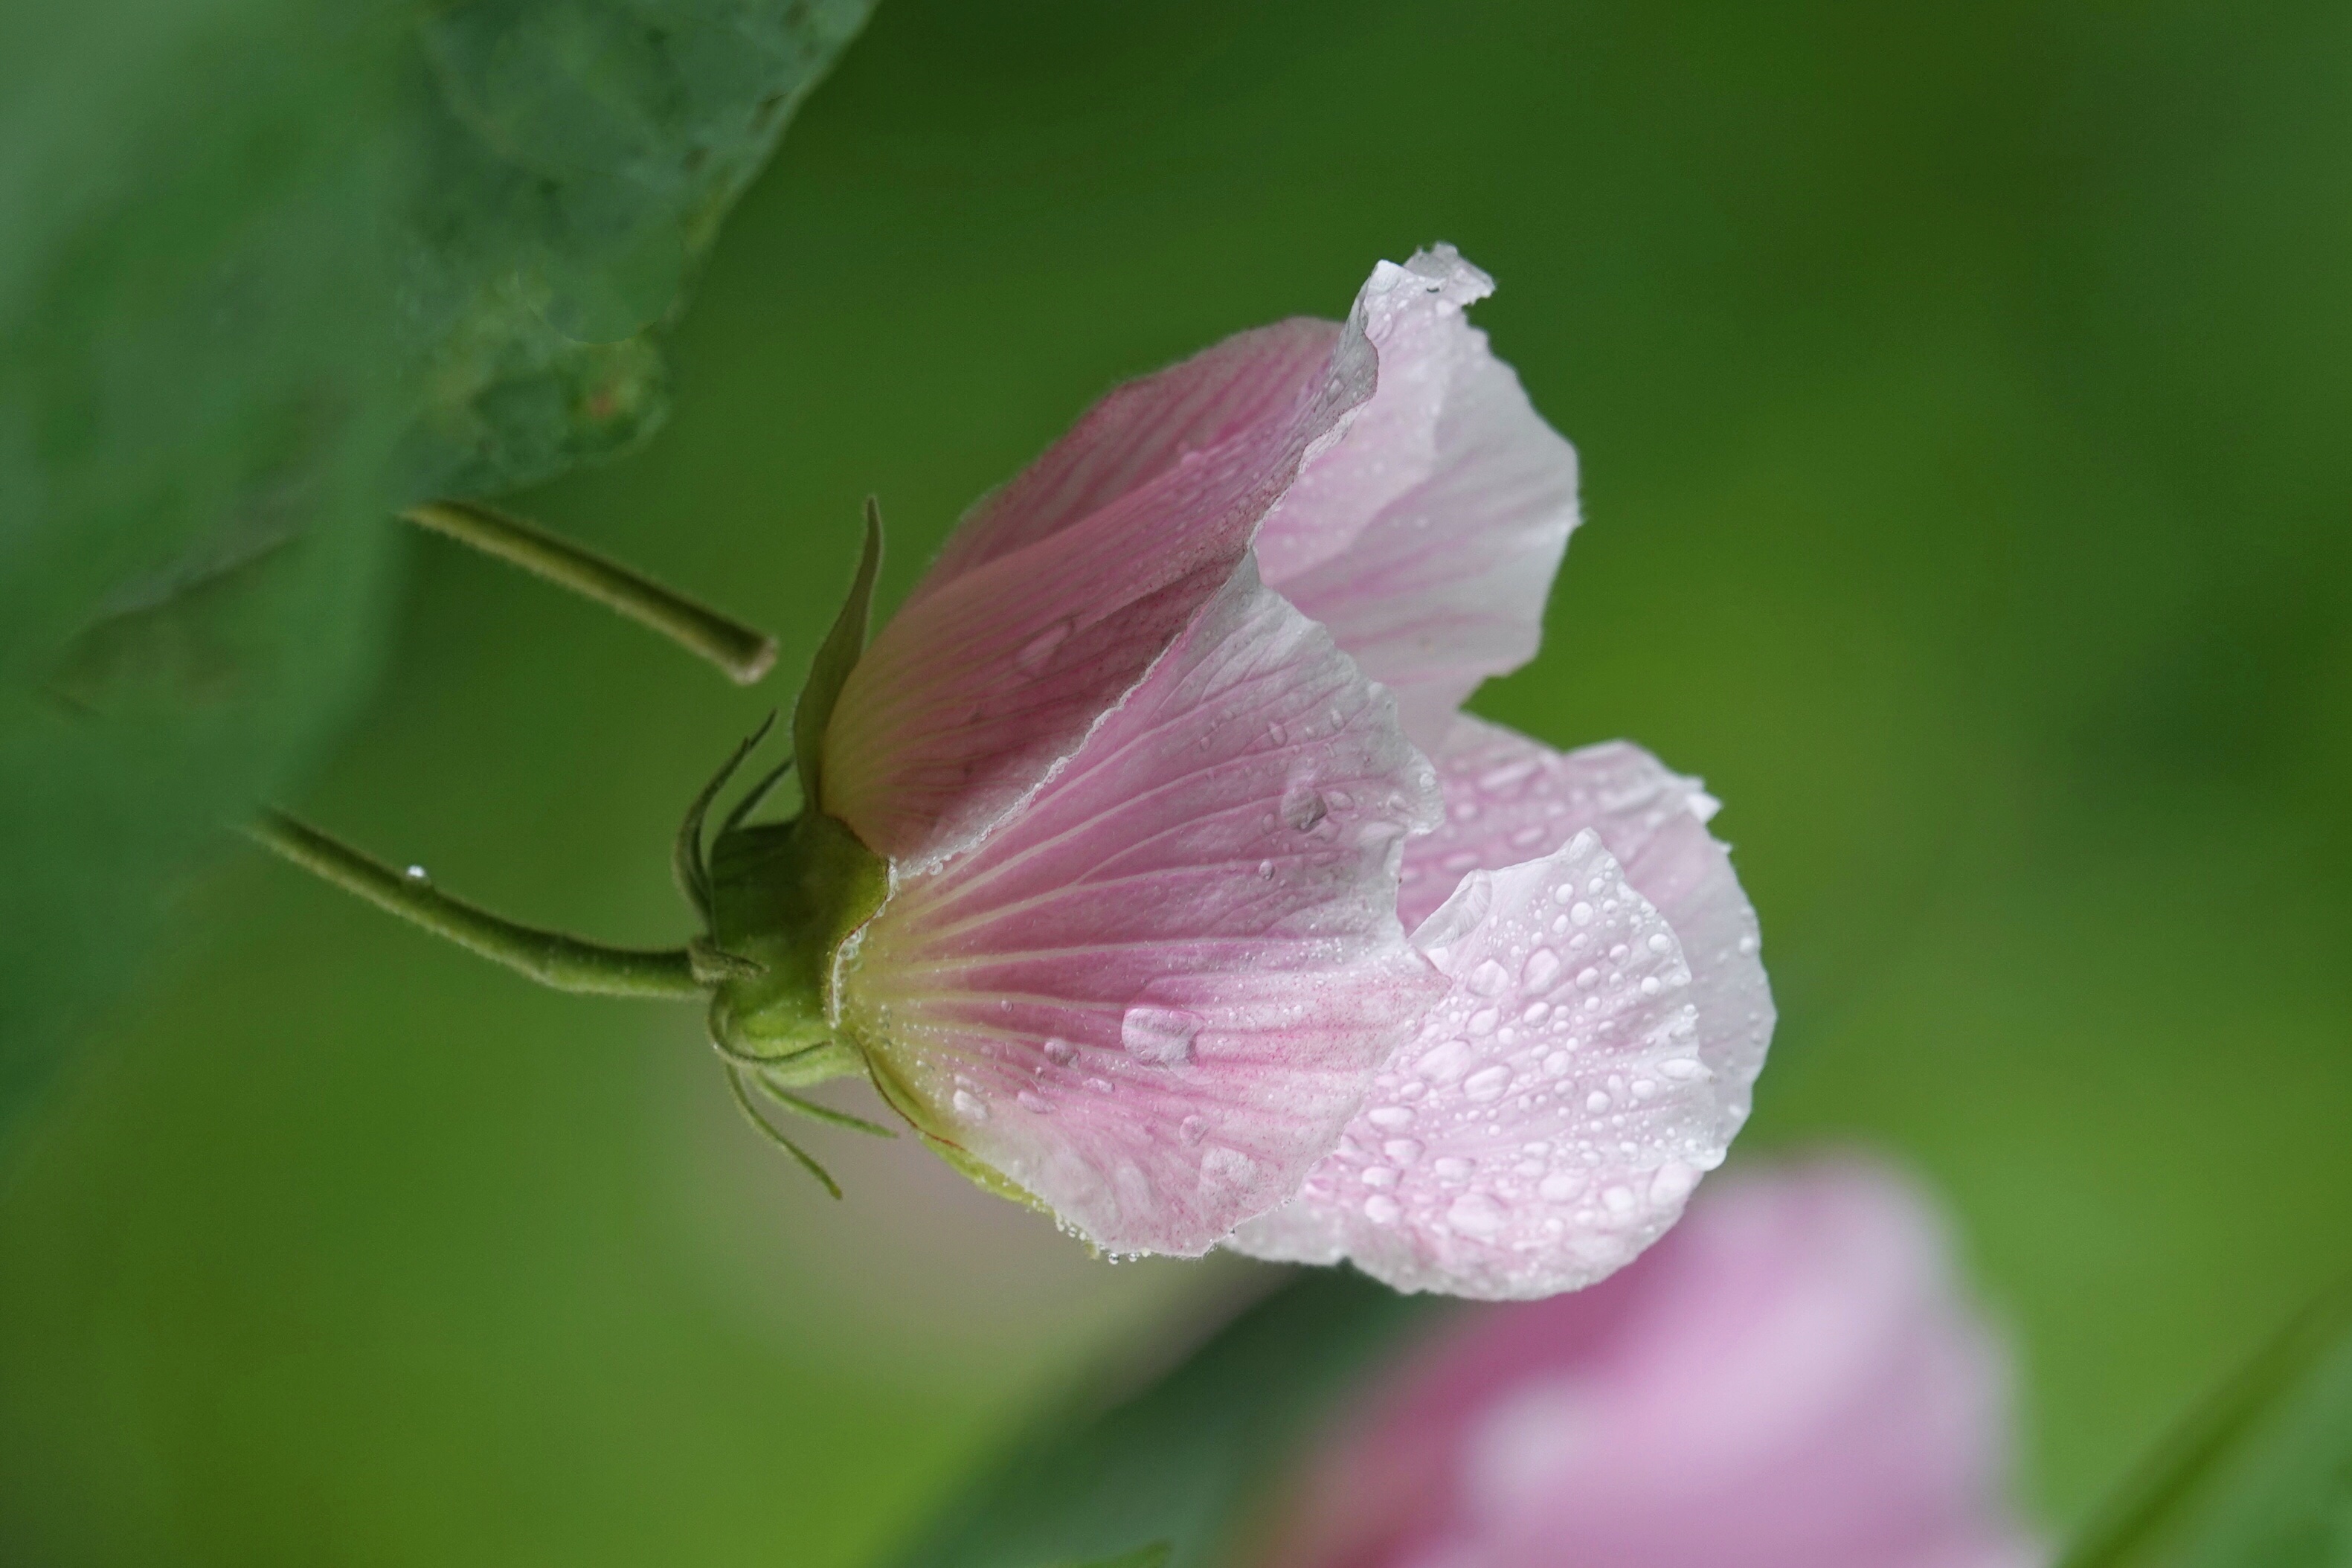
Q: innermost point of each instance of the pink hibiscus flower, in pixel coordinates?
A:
(1163, 756)
(1792, 1380)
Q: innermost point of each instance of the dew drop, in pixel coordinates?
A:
(1559, 1187)
(1490, 978)
(1444, 1062)
(1060, 1052)
(1556, 1063)
(1475, 1213)
(1379, 1176)
(1031, 1100)
(1302, 808)
(1193, 1128)
(1597, 1101)
(1383, 1209)
(1580, 912)
(1618, 1200)
(417, 874)
(1673, 1182)
(1487, 1083)
(1452, 1169)
(1266, 870)
(1661, 943)
(1495, 780)
(1404, 1151)
(1161, 1036)
(1100, 1085)
(1542, 969)
(1038, 650)
(1391, 1116)
(1484, 1020)
(970, 1106)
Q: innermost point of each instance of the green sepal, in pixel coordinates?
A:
(836, 657)
(688, 868)
(785, 896)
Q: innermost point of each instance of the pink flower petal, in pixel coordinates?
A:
(1553, 1113)
(1792, 1379)
(1510, 799)
(1152, 995)
(1057, 593)
(1427, 537)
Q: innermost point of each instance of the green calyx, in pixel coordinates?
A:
(783, 898)
(779, 899)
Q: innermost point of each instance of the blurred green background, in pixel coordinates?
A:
(1962, 395)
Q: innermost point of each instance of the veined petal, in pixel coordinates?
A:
(1057, 593)
(1427, 537)
(1509, 799)
(1551, 1116)
(1152, 996)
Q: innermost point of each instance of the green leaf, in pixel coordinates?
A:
(268, 269)
(2259, 1476)
(1181, 1464)
(836, 657)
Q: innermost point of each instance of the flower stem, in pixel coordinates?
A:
(551, 958)
(743, 653)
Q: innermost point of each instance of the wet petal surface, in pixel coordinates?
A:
(1509, 799)
(1427, 536)
(1153, 995)
(1057, 593)
(1553, 1112)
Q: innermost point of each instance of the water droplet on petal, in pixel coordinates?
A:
(1445, 1062)
(1487, 1083)
(1404, 1151)
(1542, 969)
(1161, 1036)
(1383, 1209)
(1035, 653)
(1391, 1116)
(1061, 1053)
(1559, 1187)
(1193, 1128)
(1673, 1182)
(1661, 943)
(1618, 1200)
(1302, 808)
(1031, 1100)
(1490, 978)
(1597, 1101)
(1475, 1213)
(1379, 1176)
(970, 1106)
(1580, 912)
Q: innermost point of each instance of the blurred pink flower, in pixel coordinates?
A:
(1144, 751)
(1792, 1380)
